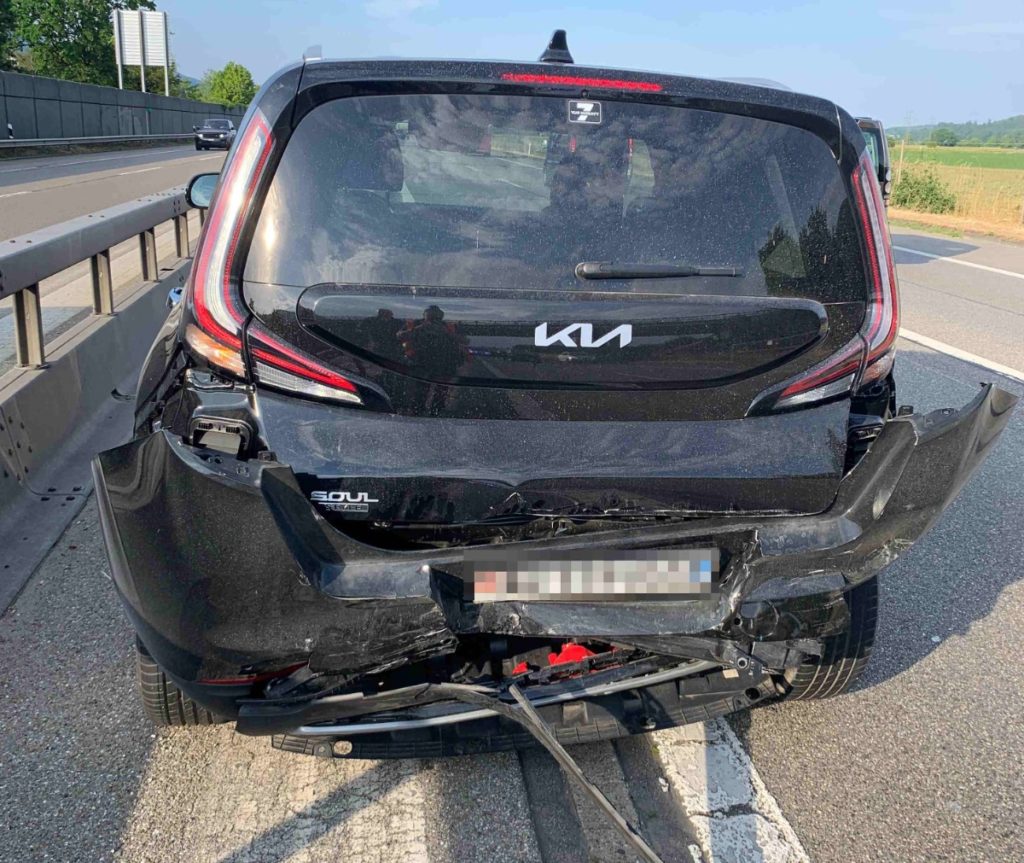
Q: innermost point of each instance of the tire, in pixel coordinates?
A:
(164, 704)
(845, 656)
(197, 146)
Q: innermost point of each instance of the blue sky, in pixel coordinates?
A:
(929, 61)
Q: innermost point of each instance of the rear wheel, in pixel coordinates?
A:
(165, 704)
(845, 656)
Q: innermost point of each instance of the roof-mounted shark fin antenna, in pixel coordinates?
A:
(557, 50)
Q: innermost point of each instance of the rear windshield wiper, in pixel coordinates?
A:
(611, 270)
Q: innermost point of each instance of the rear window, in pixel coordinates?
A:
(468, 191)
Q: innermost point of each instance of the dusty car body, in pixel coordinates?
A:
(353, 491)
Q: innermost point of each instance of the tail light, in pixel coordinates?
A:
(882, 321)
(218, 314)
(869, 356)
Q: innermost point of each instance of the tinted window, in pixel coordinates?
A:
(506, 192)
(218, 124)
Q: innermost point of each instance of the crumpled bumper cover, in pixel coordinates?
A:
(225, 566)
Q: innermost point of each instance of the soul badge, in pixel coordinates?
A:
(581, 111)
(343, 501)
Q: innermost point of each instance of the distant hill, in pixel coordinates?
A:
(994, 133)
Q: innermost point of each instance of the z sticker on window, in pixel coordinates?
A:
(584, 112)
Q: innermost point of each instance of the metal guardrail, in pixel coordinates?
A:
(15, 143)
(26, 260)
(53, 421)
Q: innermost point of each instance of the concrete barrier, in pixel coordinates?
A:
(72, 396)
(37, 107)
(44, 463)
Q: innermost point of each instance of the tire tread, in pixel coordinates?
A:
(163, 703)
(846, 655)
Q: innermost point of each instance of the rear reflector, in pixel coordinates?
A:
(579, 81)
(247, 679)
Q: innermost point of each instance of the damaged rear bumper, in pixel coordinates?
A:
(226, 569)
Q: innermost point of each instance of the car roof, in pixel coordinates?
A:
(753, 90)
(299, 87)
(758, 82)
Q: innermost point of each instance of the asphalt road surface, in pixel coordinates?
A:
(38, 192)
(921, 763)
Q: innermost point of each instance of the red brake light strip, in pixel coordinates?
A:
(580, 81)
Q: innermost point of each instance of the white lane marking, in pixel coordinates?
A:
(966, 356)
(57, 162)
(724, 798)
(94, 177)
(138, 171)
(949, 260)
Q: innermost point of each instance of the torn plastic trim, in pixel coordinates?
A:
(454, 715)
(911, 472)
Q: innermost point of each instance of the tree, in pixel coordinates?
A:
(71, 39)
(8, 41)
(945, 137)
(232, 85)
(180, 86)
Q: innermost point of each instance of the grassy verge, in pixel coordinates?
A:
(987, 184)
(910, 222)
(958, 225)
(993, 195)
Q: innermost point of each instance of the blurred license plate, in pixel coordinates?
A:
(492, 575)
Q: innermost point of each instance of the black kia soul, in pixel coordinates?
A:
(502, 379)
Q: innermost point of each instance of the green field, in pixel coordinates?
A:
(988, 183)
(974, 157)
